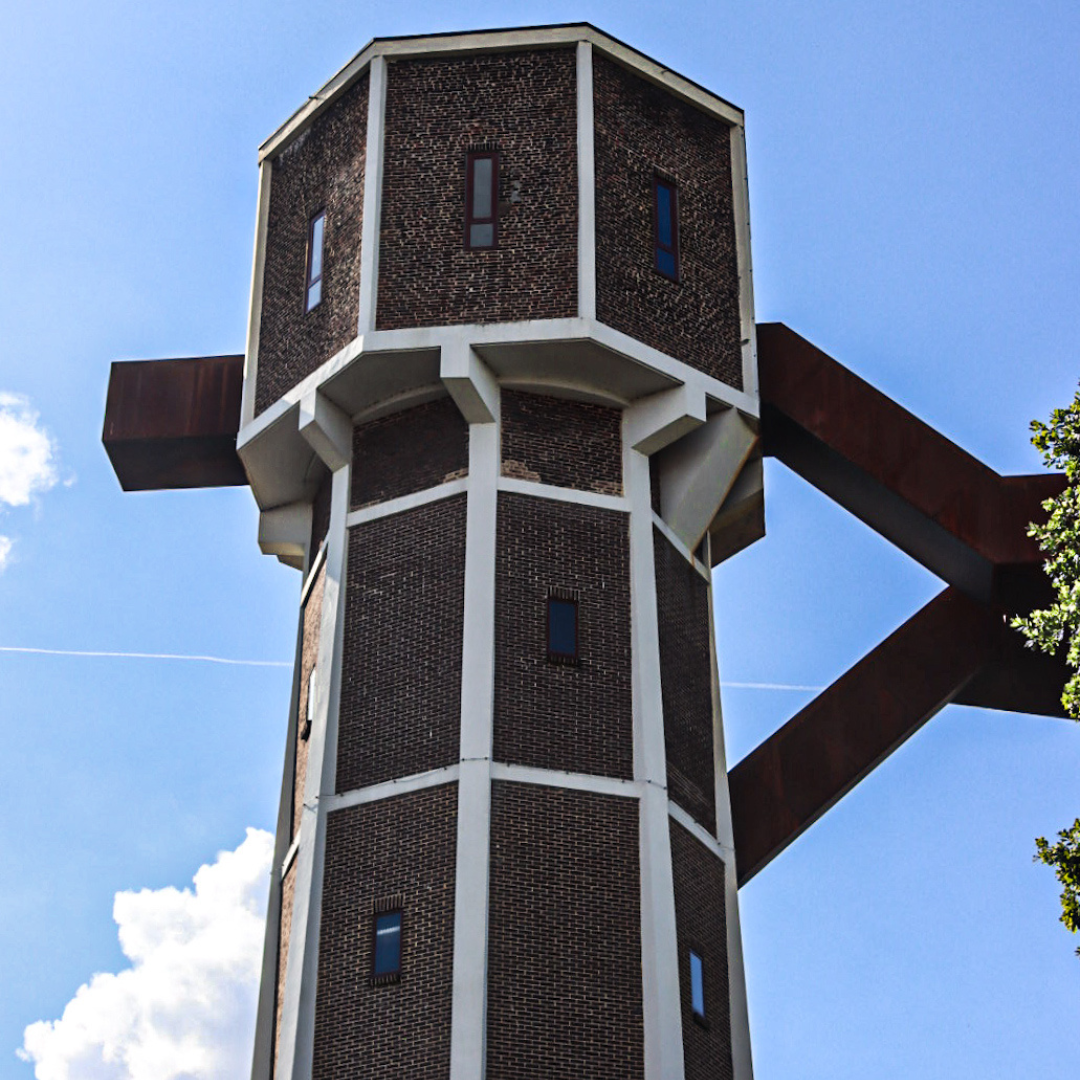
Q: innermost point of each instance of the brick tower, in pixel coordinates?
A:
(499, 407)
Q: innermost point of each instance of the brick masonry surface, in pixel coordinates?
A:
(309, 653)
(400, 709)
(559, 716)
(700, 925)
(566, 443)
(288, 896)
(524, 106)
(409, 451)
(564, 952)
(320, 513)
(404, 847)
(322, 169)
(641, 129)
(682, 600)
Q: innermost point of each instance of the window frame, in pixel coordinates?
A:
(309, 281)
(700, 1017)
(381, 978)
(563, 596)
(659, 181)
(471, 157)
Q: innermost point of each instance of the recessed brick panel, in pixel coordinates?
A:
(524, 106)
(401, 847)
(576, 717)
(409, 451)
(682, 601)
(564, 938)
(288, 897)
(401, 684)
(569, 444)
(700, 924)
(322, 169)
(641, 129)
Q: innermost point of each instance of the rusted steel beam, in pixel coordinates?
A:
(907, 481)
(173, 423)
(781, 788)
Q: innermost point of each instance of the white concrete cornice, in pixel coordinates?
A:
(534, 37)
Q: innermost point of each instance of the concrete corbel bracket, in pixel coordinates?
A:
(469, 381)
(660, 419)
(286, 532)
(326, 429)
(697, 474)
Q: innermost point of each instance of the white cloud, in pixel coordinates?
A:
(5, 552)
(27, 452)
(185, 1009)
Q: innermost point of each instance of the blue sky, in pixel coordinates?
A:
(913, 179)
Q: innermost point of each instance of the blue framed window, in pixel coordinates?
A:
(386, 951)
(316, 237)
(666, 227)
(697, 986)
(562, 627)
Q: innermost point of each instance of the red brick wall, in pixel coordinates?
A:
(405, 846)
(400, 707)
(522, 104)
(566, 443)
(320, 513)
(682, 600)
(309, 653)
(639, 129)
(409, 451)
(564, 938)
(322, 169)
(557, 716)
(700, 924)
(288, 896)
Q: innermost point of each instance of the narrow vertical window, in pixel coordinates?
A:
(310, 716)
(562, 628)
(481, 199)
(316, 229)
(697, 986)
(386, 953)
(666, 227)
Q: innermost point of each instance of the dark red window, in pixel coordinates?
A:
(666, 227)
(481, 199)
(316, 232)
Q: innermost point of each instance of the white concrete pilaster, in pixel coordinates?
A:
(373, 175)
(468, 1034)
(741, 204)
(659, 944)
(251, 349)
(586, 154)
(296, 1039)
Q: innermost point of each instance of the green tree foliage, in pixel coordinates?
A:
(1050, 628)
(1064, 857)
(1059, 538)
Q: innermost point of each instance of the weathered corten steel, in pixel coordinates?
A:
(946, 509)
(173, 423)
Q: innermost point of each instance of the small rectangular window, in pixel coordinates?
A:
(316, 232)
(697, 986)
(481, 199)
(386, 952)
(310, 715)
(562, 628)
(666, 227)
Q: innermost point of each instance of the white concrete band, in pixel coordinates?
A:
(389, 789)
(296, 1037)
(568, 781)
(407, 502)
(468, 1024)
(586, 170)
(561, 494)
(373, 175)
(741, 207)
(258, 269)
(662, 1011)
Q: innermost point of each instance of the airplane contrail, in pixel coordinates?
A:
(144, 656)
